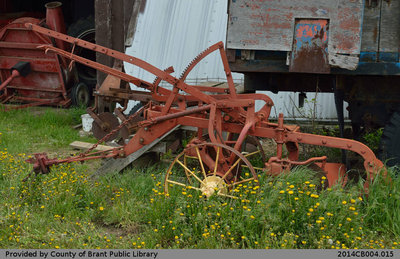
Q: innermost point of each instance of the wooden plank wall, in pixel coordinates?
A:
(269, 24)
(390, 26)
(381, 27)
(112, 19)
(371, 22)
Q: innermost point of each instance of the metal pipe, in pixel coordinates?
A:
(55, 21)
(176, 115)
(14, 74)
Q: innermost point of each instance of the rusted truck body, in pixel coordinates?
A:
(349, 47)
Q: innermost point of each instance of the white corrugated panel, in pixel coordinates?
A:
(319, 106)
(173, 32)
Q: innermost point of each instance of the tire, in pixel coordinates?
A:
(389, 148)
(135, 108)
(84, 29)
(80, 95)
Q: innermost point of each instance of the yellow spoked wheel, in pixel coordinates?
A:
(211, 169)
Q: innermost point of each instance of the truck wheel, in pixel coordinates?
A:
(389, 150)
(80, 95)
(84, 29)
(135, 108)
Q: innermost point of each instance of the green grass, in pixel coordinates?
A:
(39, 129)
(64, 209)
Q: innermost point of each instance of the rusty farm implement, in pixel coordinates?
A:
(214, 161)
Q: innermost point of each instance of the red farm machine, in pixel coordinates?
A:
(29, 76)
(214, 161)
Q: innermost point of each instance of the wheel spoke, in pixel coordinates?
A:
(192, 157)
(183, 185)
(195, 176)
(187, 175)
(251, 154)
(257, 168)
(216, 161)
(230, 169)
(201, 163)
(244, 181)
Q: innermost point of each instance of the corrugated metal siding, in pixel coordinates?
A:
(319, 106)
(173, 32)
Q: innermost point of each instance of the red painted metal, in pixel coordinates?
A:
(55, 21)
(217, 112)
(49, 80)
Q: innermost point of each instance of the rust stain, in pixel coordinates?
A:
(250, 42)
(310, 60)
(310, 47)
(346, 42)
(375, 33)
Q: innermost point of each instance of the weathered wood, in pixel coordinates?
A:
(111, 21)
(269, 24)
(371, 21)
(85, 145)
(389, 40)
(138, 7)
(343, 61)
(117, 165)
(102, 16)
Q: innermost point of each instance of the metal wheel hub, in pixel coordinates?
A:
(212, 184)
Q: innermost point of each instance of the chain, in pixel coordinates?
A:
(106, 137)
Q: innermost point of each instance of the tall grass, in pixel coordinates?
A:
(65, 209)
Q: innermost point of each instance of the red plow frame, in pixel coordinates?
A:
(224, 120)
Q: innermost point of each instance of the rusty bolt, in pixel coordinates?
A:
(349, 145)
(324, 142)
(299, 139)
(141, 140)
(146, 128)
